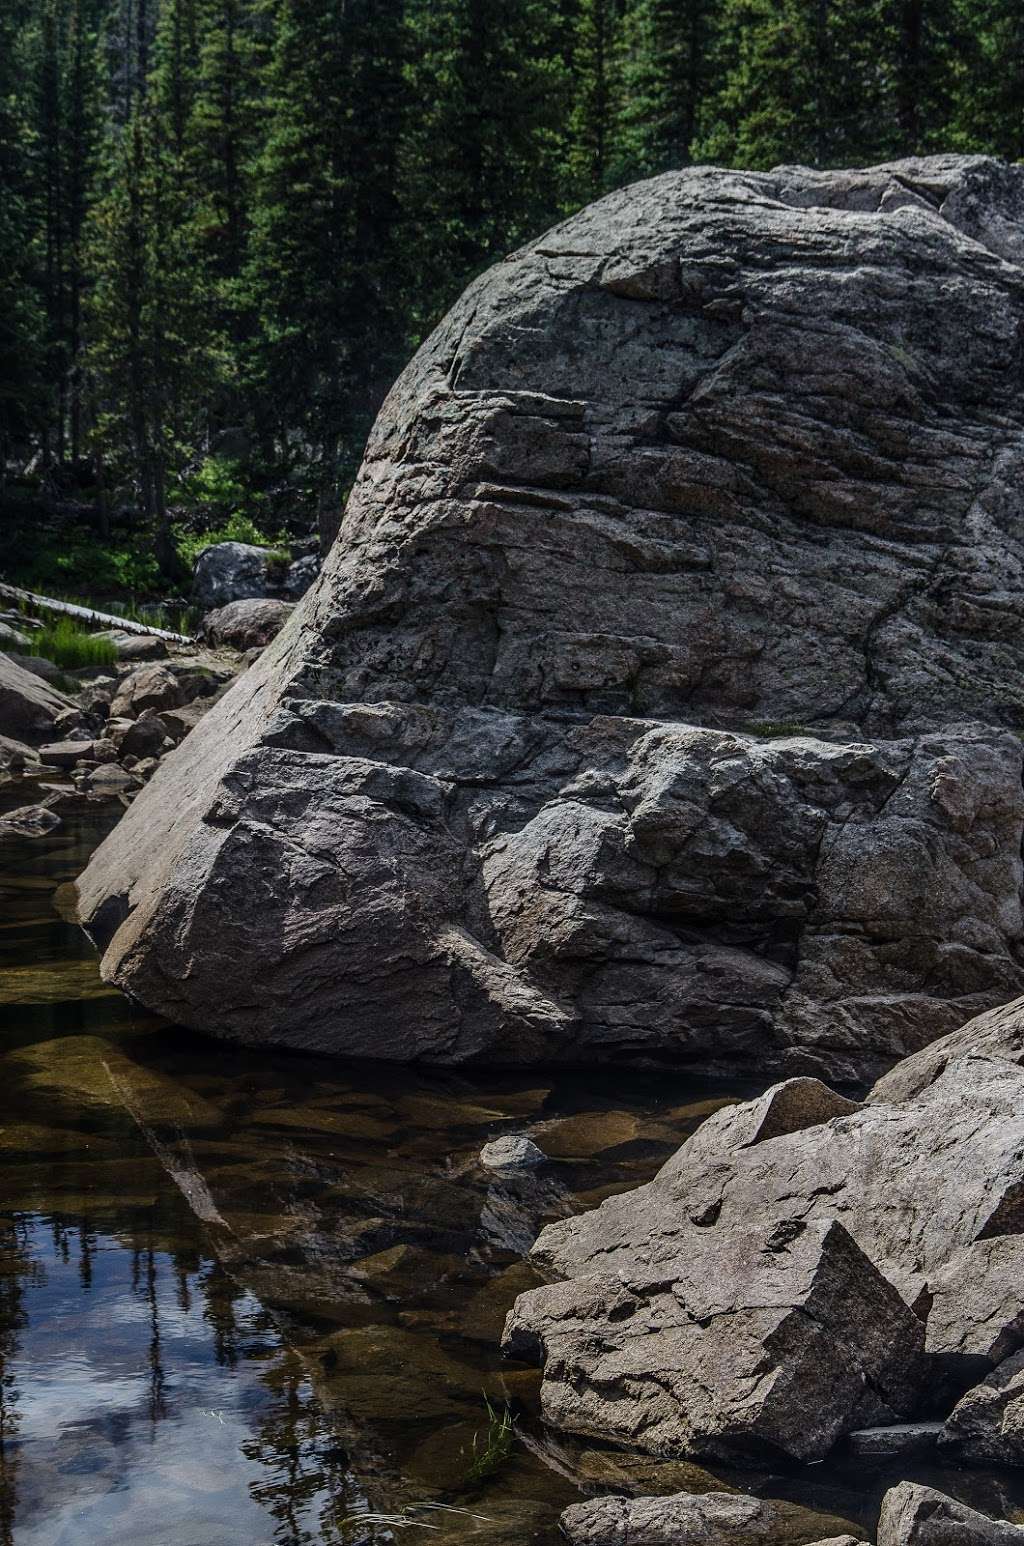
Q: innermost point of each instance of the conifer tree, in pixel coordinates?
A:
(667, 63)
(595, 68)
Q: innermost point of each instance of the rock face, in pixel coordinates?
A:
(660, 1334)
(656, 699)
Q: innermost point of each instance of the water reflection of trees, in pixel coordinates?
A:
(17, 1268)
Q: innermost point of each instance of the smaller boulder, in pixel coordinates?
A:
(986, 1427)
(512, 1153)
(163, 685)
(143, 737)
(178, 722)
(142, 646)
(28, 705)
(707, 1519)
(12, 638)
(47, 670)
(246, 625)
(913, 1515)
(236, 571)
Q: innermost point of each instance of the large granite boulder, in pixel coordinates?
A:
(658, 698)
(661, 1335)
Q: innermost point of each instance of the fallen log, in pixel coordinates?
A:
(89, 615)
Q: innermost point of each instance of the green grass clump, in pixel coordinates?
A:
(490, 1452)
(70, 646)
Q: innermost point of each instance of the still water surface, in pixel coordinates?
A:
(250, 1299)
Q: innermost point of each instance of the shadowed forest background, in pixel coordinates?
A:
(225, 224)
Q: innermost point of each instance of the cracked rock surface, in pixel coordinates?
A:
(658, 698)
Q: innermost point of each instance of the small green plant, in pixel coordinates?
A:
(70, 646)
(492, 1451)
(236, 528)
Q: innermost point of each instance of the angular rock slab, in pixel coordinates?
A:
(930, 1188)
(728, 450)
(913, 1515)
(750, 1344)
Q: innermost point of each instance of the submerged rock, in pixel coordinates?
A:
(656, 699)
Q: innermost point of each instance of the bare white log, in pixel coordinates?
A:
(88, 615)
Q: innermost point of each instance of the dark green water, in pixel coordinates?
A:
(254, 1299)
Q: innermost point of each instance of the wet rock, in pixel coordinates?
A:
(235, 571)
(708, 1519)
(743, 1344)
(899, 1441)
(511, 1153)
(111, 778)
(29, 821)
(683, 566)
(28, 705)
(246, 625)
(913, 1515)
(986, 1427)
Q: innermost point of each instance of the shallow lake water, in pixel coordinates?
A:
(251, 1298)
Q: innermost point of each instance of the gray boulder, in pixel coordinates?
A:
(511, 1152)
(913, 1515)
(164, 685)
(928, 1188)
(680, 584)
(247, 624)
(711, 1519)
(986, 1427)
(235, 571)
(739, 1344)
(29, 706)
